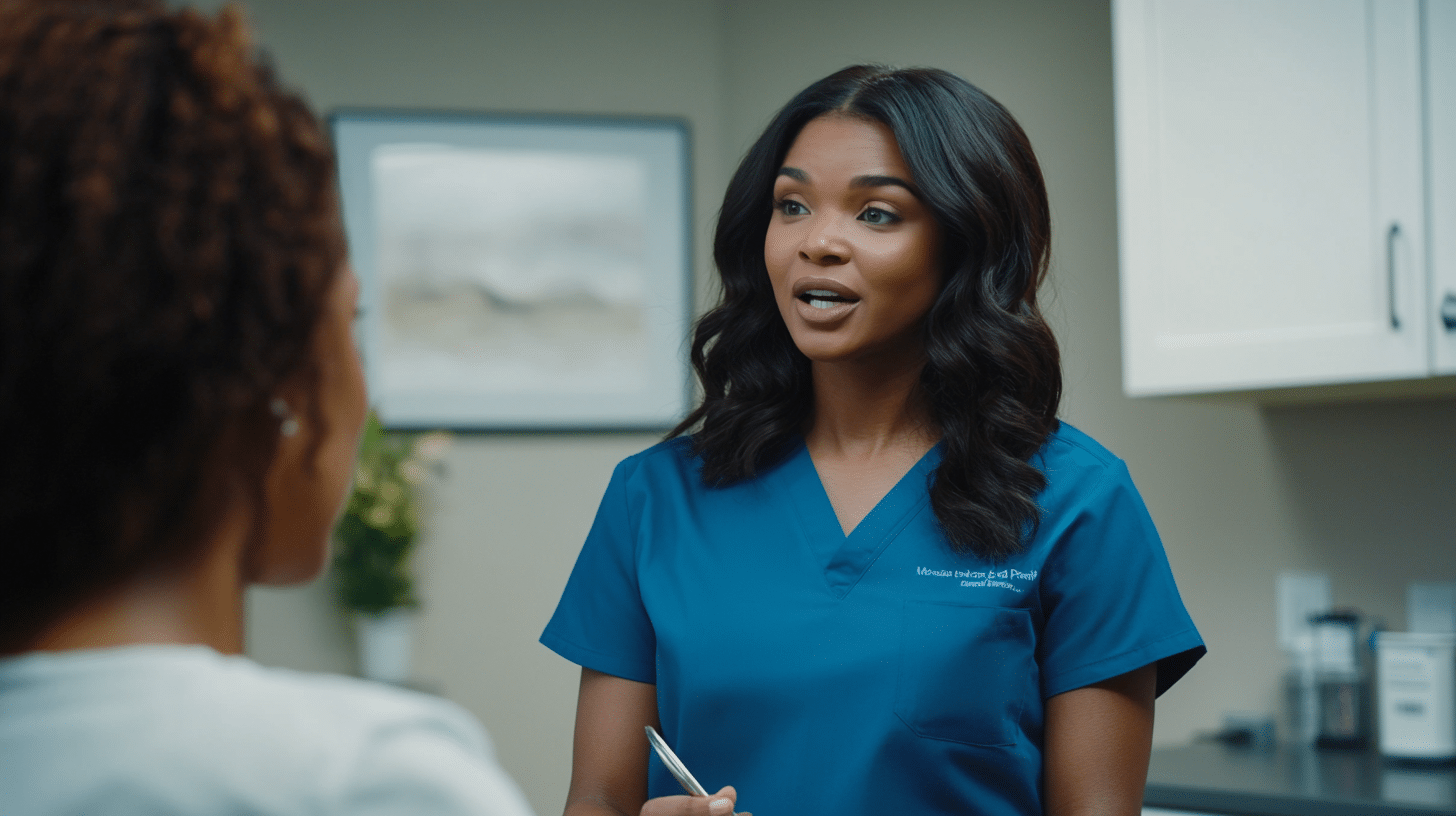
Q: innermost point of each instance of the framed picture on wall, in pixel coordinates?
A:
(519, 273)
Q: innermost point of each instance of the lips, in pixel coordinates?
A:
(822, 300)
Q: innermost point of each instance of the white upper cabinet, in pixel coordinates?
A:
(1440, 55)
(1273, 202)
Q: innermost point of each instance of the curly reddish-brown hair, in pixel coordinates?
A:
(169, 232)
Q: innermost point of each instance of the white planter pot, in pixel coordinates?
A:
(384, 644)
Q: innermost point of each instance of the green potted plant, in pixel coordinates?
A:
(374, 540)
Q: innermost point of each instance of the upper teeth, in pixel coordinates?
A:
(824, 298)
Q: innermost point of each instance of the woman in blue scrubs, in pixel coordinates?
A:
(872, 572)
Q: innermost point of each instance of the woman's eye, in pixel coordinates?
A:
(788, 206)
(875, 215)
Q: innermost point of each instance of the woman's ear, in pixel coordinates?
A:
(292, 547)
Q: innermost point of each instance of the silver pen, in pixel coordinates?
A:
(674, 765)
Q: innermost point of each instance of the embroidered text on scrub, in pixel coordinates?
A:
(996, 579)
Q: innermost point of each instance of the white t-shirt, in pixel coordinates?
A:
(161, 730)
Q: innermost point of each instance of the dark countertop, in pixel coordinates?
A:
(1291, 781)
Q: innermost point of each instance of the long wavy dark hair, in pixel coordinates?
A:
(992, 379)
(169, 232)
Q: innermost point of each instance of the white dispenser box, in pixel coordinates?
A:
(1430, 607)
(1416, 675)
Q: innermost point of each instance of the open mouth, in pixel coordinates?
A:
(825, 298)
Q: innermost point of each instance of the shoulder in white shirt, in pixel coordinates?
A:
(160, 730)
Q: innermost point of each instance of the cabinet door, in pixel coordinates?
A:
(1440, 53)
(1270, 195)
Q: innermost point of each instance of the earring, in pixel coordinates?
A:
(287, 423)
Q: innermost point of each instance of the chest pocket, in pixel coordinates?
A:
(966, 672)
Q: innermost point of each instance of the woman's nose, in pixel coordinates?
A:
(824, 243)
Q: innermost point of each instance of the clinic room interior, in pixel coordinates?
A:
(1359, 487)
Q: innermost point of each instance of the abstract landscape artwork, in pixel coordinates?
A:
(519, 273)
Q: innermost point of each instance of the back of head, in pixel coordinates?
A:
(168, 233)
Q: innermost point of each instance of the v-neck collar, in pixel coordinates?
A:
(846, 558)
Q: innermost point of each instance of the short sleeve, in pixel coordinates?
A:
(600, 622)
(1108, 595)
(436, 763)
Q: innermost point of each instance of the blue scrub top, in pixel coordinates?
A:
(872, 673)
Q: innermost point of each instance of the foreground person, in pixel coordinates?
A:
(873, 573)
(179, 373)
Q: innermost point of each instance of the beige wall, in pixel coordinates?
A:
(1365, 491)
(514, 509)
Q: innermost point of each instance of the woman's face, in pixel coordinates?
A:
(313, 469)
(851, 251)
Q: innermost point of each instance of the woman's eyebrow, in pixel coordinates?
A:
(858, 181)
(884, 181)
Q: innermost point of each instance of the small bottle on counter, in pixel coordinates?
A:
(1301, 596)
(1327, 688)
(1301, 693)
(1343, 689)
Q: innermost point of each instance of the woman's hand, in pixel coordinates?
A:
(609, 755)
(719, 804)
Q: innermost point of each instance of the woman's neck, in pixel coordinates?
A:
(870, 427)
(863, 410)
(201, 603)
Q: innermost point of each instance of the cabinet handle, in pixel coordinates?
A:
(1448, 311)
(1390, 272)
